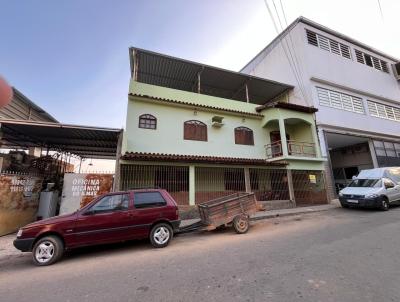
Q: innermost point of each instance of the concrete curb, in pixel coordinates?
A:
(278, 213)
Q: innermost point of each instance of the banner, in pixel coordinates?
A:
(80, 189)
(19, 201)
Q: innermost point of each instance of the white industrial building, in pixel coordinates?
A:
(355, 87)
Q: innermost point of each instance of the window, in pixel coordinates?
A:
(328, 44)
(383, 111)
(244, 136)
(371, 61)
(111, 203)
(387, 149)
(195, 130)
(148, 200)
(147, 121)
(340, 100)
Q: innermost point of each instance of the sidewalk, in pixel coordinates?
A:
(295, 211)
(7, 249)
(280, 213)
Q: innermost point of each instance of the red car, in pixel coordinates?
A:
(113, 217)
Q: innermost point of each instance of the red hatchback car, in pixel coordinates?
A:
(113, 217)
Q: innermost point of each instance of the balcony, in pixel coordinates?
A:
(294, 148)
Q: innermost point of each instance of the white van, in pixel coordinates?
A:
(374, 188)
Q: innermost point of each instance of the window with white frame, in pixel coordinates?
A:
(328, 44)
(383, 111)
(340, 100)
(371, 61)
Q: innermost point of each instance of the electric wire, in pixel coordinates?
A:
(285, 51)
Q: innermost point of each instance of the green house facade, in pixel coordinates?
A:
(202, 132)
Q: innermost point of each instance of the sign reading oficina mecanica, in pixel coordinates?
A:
(80, 189)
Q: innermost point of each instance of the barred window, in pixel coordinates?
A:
(244, 136)
(371, 61)
(195, 130)
(340, 100)
(328, 44)
(384, 111)
(147, 121)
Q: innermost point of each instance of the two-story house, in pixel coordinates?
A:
(355, 88)
(202, 132)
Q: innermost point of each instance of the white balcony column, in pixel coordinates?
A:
(192, 185)
(282, 131)
(247, 180)
(290, 186)
(316, 141)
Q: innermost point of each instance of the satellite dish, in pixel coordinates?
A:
(6, 93)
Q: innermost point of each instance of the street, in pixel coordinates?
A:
(336, 255)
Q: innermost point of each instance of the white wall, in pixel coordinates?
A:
(322, 68)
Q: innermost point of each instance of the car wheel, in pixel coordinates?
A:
(241, 224)
(160, 235)
(385, 205)
(344, 205)
(47, 250)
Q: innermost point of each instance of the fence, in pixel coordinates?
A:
(309, 187)
(174, 179)
(19, 200)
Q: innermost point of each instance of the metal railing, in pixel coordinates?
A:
(295, 148)
(274, 149)
(305, 149)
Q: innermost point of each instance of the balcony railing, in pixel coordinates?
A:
(295, 148)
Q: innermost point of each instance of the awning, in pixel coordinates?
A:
(166, 71)
(162, 157)
(83, 141)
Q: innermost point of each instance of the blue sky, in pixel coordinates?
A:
(71, 57)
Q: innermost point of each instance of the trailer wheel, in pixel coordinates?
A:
(241, 224)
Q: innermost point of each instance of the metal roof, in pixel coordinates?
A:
(31, 104)
(83, 141)
(162, 70)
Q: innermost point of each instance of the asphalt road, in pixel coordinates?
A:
(339, 255)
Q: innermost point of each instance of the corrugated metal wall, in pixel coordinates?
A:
(19, 110)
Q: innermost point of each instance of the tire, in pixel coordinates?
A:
(344, 205)
(385, 204)
(160, 235)
(241, 224)
(47, 250)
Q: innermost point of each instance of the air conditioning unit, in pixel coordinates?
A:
(396, 70)
(217, 121)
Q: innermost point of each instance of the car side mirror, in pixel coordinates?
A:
(389, 186)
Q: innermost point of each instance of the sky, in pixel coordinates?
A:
(71, 57)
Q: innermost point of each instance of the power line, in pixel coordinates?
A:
(286, 53)
(294, 52)
(380, 8)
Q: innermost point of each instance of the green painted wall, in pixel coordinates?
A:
(190, 97)
(168, 137)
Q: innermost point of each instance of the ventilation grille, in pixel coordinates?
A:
(328, 44)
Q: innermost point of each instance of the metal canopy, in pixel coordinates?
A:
(162, 70)
(83, 141)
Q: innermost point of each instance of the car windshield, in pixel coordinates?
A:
(366, 183)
